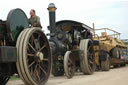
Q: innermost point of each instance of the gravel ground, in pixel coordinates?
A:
(117, 76)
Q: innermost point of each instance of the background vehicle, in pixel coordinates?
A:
(126, 52)
(71, 45)
(109, 49)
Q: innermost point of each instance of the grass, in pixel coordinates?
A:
(15, 77)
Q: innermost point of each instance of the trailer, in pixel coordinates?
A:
(109, 49)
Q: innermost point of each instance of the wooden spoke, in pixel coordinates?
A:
(32, 47)
(35, 68)
(31, 71)
(31, 64)
(42, 47)
(31, 55)
(45, 73)
(45, 59)
(39, 37)
(90, 67)
(37, 75)
(39, 40)
(70, 61)
(35, 42)
(28, 50)
(89, 47)
(39, 70)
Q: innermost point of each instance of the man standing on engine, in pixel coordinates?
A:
(34, 20)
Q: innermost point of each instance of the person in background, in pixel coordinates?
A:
(34, 20)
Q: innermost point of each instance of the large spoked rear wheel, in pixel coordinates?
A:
(34, 57)
(69, 64)
(87, 62)
(3, 80)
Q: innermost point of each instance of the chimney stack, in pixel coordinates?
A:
(52, 18)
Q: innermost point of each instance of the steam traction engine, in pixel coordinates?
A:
(72, 46)
(23, 50)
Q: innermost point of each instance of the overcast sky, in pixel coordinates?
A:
(104, 13)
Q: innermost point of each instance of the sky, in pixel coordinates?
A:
(104, 13)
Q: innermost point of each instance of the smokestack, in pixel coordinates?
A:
(52, 18)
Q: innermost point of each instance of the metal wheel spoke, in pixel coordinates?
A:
(35, 42)
(89, 47)
(45, 73)
(35, 69)
(69, 64)
(31, 71)
(90, 67)
(69, 70)
(38, 37)
(31, 64)
(42, 47)
(70, 61)
(31, 47)
(88, 54)
(45, 59)
(30, 55)
(28, 50)
(39, 41)
(39, 69)
(37, 75)
(90, 62)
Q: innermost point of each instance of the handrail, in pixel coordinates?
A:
(108, 29)
(115, 35)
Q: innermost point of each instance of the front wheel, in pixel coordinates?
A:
(69, 64)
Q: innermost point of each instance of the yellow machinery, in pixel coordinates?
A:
(109, 49)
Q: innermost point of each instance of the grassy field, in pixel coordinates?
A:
(15, 78)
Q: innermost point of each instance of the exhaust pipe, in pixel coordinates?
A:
(52, 19)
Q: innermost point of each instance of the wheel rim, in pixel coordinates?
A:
(69, 64)
(36, 57)
(19, 64)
